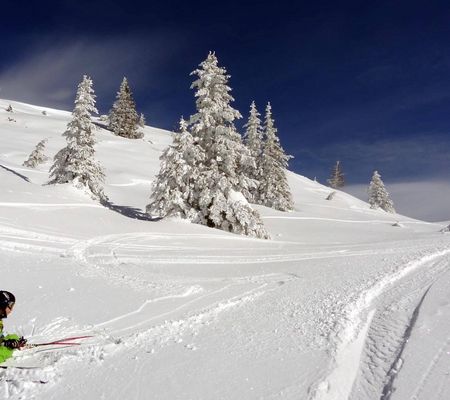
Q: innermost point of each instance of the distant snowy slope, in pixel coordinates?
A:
(132, 164)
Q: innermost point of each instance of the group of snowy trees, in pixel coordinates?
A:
(378, 195)
(76, 162)
(209, 175)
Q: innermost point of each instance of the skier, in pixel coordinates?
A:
(12, 342)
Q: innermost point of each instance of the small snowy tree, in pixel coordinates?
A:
(37, 156)
(337, 180)
(141, 121)
(9, 108)
(175, 188)
(253, 140)
(123, 118)
(378, 195)
(222, 183)
(76, 163)
(274, 190)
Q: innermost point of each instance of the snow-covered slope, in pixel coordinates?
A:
(339, 304)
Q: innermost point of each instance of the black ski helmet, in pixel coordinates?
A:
(7, 299)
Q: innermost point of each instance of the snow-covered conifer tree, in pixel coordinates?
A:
(141, 121)
(76, 163)
(123, 118)
(37, 156)
(175, 191)
(337, 180)
(253, 141)
(378, 195)
(274, 190)
(222, 184)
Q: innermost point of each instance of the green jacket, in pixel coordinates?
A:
(5, 352)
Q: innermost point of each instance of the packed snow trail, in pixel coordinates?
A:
(356, 332)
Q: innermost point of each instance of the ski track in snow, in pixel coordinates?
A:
(189, 308)
(350, 337)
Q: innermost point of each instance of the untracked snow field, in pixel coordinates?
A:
(344, 302)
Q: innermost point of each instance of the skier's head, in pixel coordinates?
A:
(7, 301)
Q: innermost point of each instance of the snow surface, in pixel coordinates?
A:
(344, 302)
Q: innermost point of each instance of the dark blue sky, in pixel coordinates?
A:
(367, 83)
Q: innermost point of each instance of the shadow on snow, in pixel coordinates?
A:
(26, 179)
(130, 212)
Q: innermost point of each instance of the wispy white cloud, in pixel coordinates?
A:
(49, 72)
(425, 200)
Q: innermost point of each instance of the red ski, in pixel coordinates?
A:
(68, 341)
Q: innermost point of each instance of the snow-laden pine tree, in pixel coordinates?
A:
(76, 163)
(175, 190)
(253, 140)
(141, 122)
(123, 117)
(274, 190)
(378, 195)
(37, 156)
(336, 180)
(223, 185)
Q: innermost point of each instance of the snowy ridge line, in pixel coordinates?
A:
(338, 384)
(20, 233)
(367, 221)
(242, 259)
(24, 169)
(32, 238)
(48, 205)
(219, 235)
(30, 242)
(29, 248)
(133, 182)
